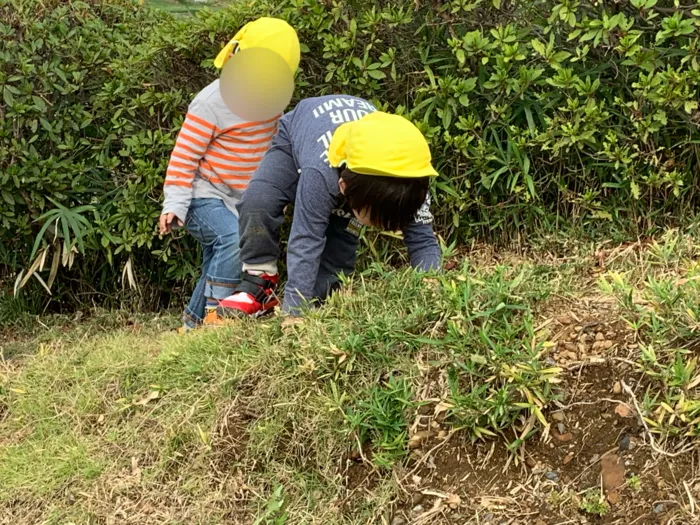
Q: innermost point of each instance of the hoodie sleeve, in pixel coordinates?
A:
(312, 211)
(421, 243)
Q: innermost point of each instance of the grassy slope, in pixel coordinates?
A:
(229, 424)
(244, 395)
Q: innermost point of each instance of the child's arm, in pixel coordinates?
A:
(191, 145)
(422, 245)
(312, 211)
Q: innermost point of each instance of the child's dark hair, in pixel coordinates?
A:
(392, 202)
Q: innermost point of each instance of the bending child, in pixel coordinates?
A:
(343, 165)
(213, 161)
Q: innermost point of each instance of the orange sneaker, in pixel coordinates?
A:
(212, 318)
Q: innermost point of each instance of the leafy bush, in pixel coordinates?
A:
(541, 113)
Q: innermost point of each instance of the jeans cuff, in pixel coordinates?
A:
(191, 319)
(218, 288)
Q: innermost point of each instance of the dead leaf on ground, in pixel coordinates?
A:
(152, 395)
(417, 439)
(443, 406)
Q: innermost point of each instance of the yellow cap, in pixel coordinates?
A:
(381, 144)
(269, 33)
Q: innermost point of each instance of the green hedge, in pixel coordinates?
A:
(540, 113)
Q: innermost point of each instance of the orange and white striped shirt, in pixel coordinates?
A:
(215, 155)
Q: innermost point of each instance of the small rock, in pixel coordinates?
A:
(418, 509)
(578, 328)
(617, 388)
(625, 443)
(572, 336)
(488, 517)
(530, 462)
(551, 476)
(599, 336)
(563, 437)
(571, 347)
(561, 428)
(612, 470)
(595, 458)
(658, 509)
(568, 458)
(614, 497)
(623, 410)
(453, 501)
(417, 499)
(608, 345)
(558, 416)
(442, 434)
(398, 520)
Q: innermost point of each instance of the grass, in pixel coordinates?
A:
(266, 414)
(662, 304)
(251, 424)
(594, 503)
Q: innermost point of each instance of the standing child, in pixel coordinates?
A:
(213, 161)
(343, 165)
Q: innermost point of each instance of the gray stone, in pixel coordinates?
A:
(558, 416)
(551, 476)
(625, 443)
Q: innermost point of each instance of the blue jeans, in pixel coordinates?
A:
(216, 228)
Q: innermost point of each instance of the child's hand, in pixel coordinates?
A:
(166, 223)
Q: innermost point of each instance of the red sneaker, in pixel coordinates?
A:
(254, 297)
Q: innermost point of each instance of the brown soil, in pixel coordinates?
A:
(595, 442)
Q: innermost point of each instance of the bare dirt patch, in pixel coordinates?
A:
(592, 465)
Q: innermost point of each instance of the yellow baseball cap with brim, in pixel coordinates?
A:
(382, 144)
(269, 33)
